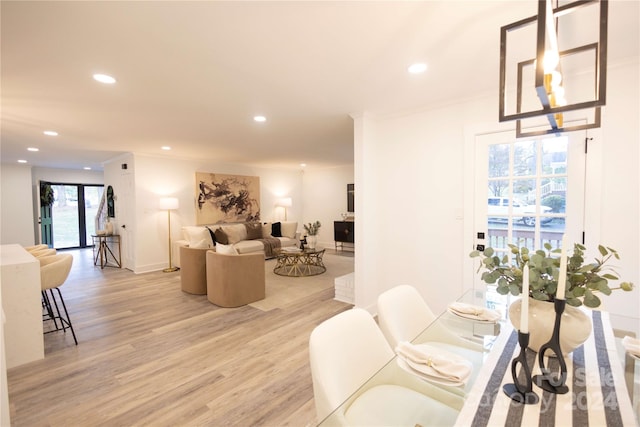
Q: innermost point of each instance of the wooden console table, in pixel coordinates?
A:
(101, 250)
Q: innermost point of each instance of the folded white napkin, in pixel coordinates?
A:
(477, 312)
(430, 361)
(631, 345)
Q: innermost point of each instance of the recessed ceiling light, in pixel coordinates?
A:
(22, 161)
(103, 78)
(417, 68)
(87, 168)
(260, 118)
(303, 165)
(166, 148)
(50, 133)
(33, 149)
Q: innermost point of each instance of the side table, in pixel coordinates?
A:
(102, 250)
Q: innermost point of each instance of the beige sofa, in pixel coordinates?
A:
(241, 238)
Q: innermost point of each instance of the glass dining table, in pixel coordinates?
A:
(598, 394)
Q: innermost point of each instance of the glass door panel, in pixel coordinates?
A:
(521, 189)
(92, 197)
(73, 214)
(65, 216)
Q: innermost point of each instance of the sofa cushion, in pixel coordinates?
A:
(221, 236)
(285, 241)
(198, 237)
(276, 229)
(254, 230)
(266, 230)
(289, 229)
(249, 246)
(235, 232)
(213, 236)
(201, 244)
(226, 249)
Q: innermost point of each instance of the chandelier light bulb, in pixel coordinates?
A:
(550, 61)
(556, 79)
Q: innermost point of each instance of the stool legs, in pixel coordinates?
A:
(50, 304)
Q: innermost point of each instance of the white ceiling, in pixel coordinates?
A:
(191, 75)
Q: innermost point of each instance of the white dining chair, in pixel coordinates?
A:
(403, 314)
(348, 349)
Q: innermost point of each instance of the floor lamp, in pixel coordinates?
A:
(285, 203)
(169, 203)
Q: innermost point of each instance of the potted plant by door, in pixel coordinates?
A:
(312, 230)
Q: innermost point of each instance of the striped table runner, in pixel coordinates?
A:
(597, 393)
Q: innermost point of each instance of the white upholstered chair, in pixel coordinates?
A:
(403, 314)
(349, 348)
(54, 271)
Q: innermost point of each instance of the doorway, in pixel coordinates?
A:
(528, 192)
(71, 221)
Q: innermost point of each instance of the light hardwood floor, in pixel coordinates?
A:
(150, 354)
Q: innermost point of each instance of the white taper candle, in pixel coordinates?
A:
(562, 277)
(524, 313)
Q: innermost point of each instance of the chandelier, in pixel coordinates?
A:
(560, 85)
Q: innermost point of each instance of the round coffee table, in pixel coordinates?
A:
(301, 263)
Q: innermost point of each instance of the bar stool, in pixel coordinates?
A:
(43, 252)
(36, 247)
(54, 271)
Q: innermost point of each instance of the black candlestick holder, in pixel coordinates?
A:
(548, 380)
(518, 391)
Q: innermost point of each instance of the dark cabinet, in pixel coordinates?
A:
(343, 232)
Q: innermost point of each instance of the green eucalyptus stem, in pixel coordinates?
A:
(584, 280)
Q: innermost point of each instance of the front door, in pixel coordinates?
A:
(528, 192)
(72, 215)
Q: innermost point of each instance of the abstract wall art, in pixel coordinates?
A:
(226, 198)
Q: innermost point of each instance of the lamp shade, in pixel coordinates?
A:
(168, 203)
(285, 202)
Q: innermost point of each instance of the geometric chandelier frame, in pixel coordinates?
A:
(547, 22)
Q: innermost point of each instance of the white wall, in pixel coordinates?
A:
(16, 205)
(620, 203)
(325, 199)
(67, 176)
(414, 213)
(157, 176)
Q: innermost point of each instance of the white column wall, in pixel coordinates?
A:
(413, 223)
(371, 248)
(619, 225)
(16, 207)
